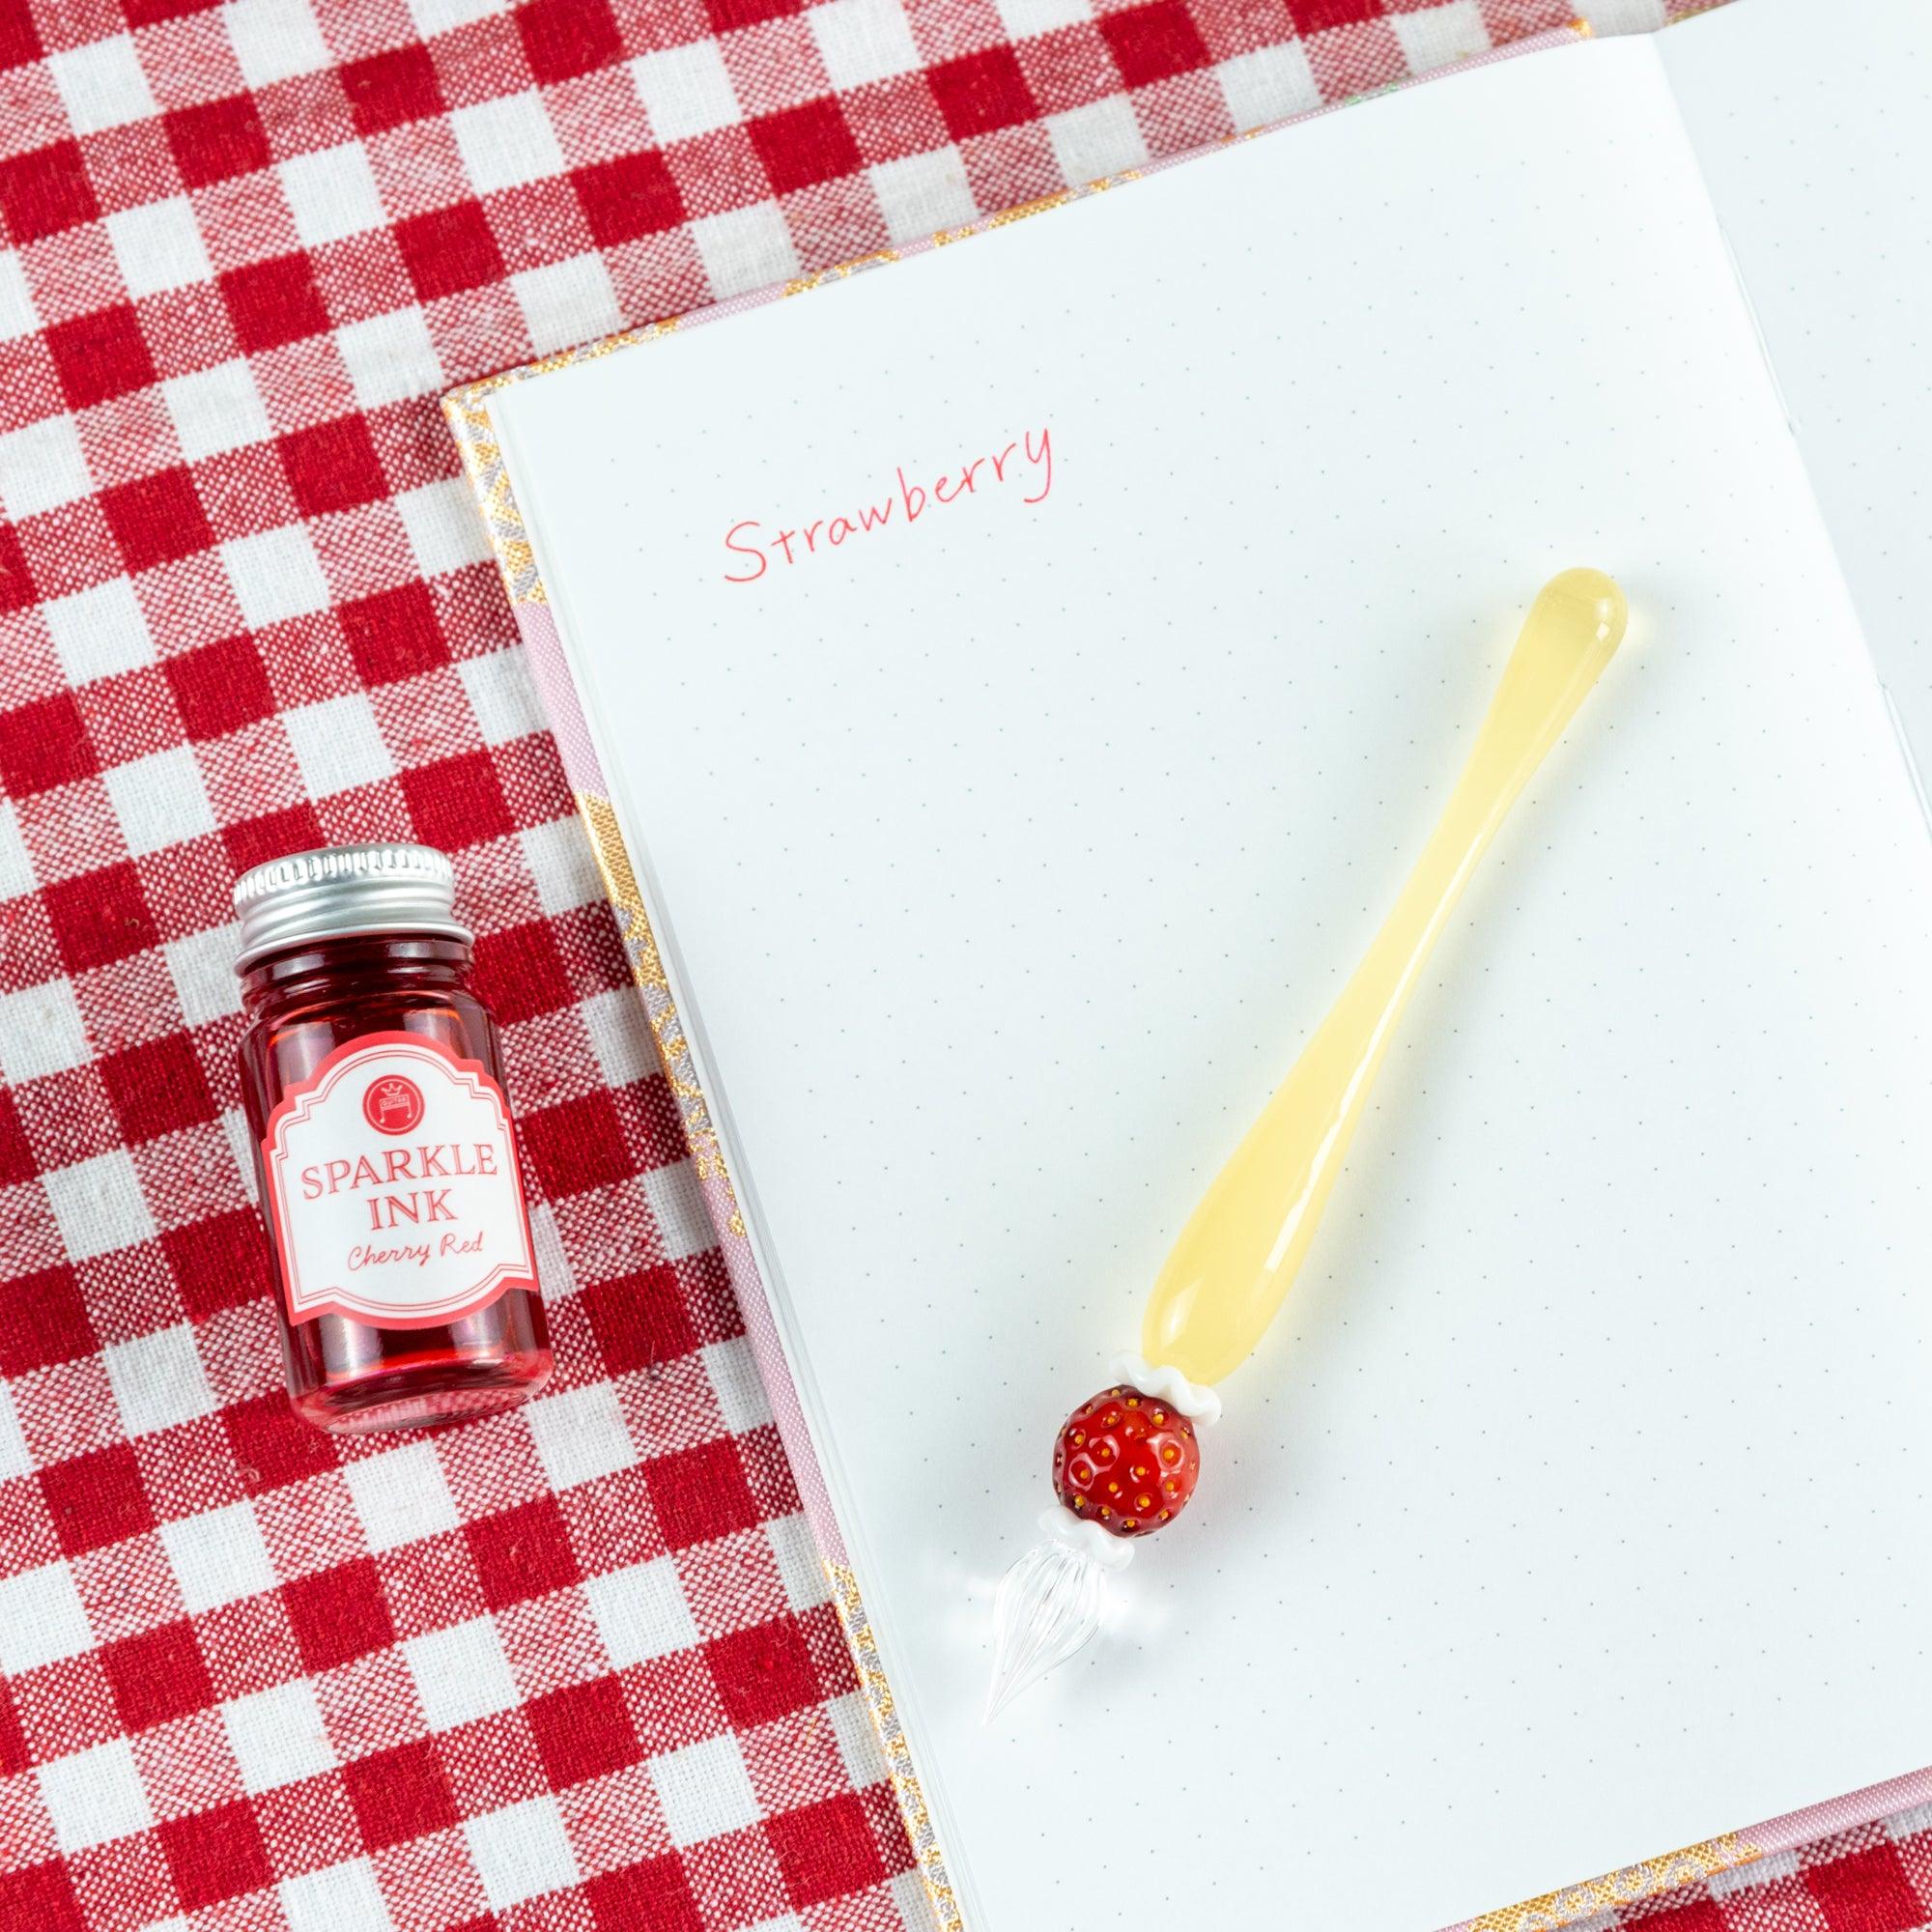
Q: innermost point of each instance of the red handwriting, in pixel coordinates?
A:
(1025, 461)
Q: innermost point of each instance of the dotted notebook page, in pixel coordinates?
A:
(1004, 855)
(1819, 160)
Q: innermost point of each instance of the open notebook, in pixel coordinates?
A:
(1000, 856)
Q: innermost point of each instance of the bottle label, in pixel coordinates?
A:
(392, 1186)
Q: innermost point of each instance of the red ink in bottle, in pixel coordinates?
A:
(384, 1155)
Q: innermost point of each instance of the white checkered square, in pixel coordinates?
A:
(338, 744)
(401, 1497)
(15, 1458)
(159, 800)
(567, 301)
(42, 1619)
(500, 693)
(217, 410)
(158, 246)
(41, 1032)
(1021, 17)
(16, 305)
(159, 1380)
(745, 249)
(741, 1391)
(461, 1673)
(441, 17)
(1627, 16)
(338, 1898)
(41, 466)
(620, 1034)
(863, 41)
(801, 1569)
(641, 1612)
(924, 193)
(217, 1557)
(443, 529)
(16, 865)
(1097, 139)
(704, 1790)
(389, 357)
(858, 1742)
(1451, 32)
(331, 194)
(98, 1205)
(99, 632)
(95, 1795)
(521, 1852)
(686, 91)
(564, 867)
(277, 1736)
(580, 1435)
(275, 40)
(507, 142)
(102, 84)
(202, 967)
(276, 576)
(1269, 84)
(684, 1225)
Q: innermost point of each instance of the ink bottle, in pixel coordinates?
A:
(385, 1162)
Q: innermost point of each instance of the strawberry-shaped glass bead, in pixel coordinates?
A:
(1125, 1460)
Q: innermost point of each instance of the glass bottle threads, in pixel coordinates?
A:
(385, 1160)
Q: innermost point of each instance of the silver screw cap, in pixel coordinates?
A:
(345, 890)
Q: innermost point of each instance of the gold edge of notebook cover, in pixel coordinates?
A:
(1634, 1884)
(640, 949)
(877, 1690)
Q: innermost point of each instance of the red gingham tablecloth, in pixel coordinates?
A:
(575, 1666)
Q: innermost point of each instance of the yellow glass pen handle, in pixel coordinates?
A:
(1231, 1268)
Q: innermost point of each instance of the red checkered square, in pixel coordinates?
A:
(44, 1321)
(1315, 16)
(338, 1615)
(1154, 43)
(983, 93)
(399, 1794)
(216, 140)
(16, 585)
(157, 1087)
(700, 1494)
(43, 1896)
(158, 520)
(44, 745)
(272, 302)
(334, 466)
(1866, 1891)
(219, 688)
(100, 356)
(629, 196)
(388, 89)
(826, 1850)
(157, 1676)
(458, 801)
(450, 250)
(521, 1553)
(566, 37)
(804, 145)
(655, 1893)
(763, 1673)
(43, 192)
(97, 1500)
(583, 1732)
(216, 1855)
